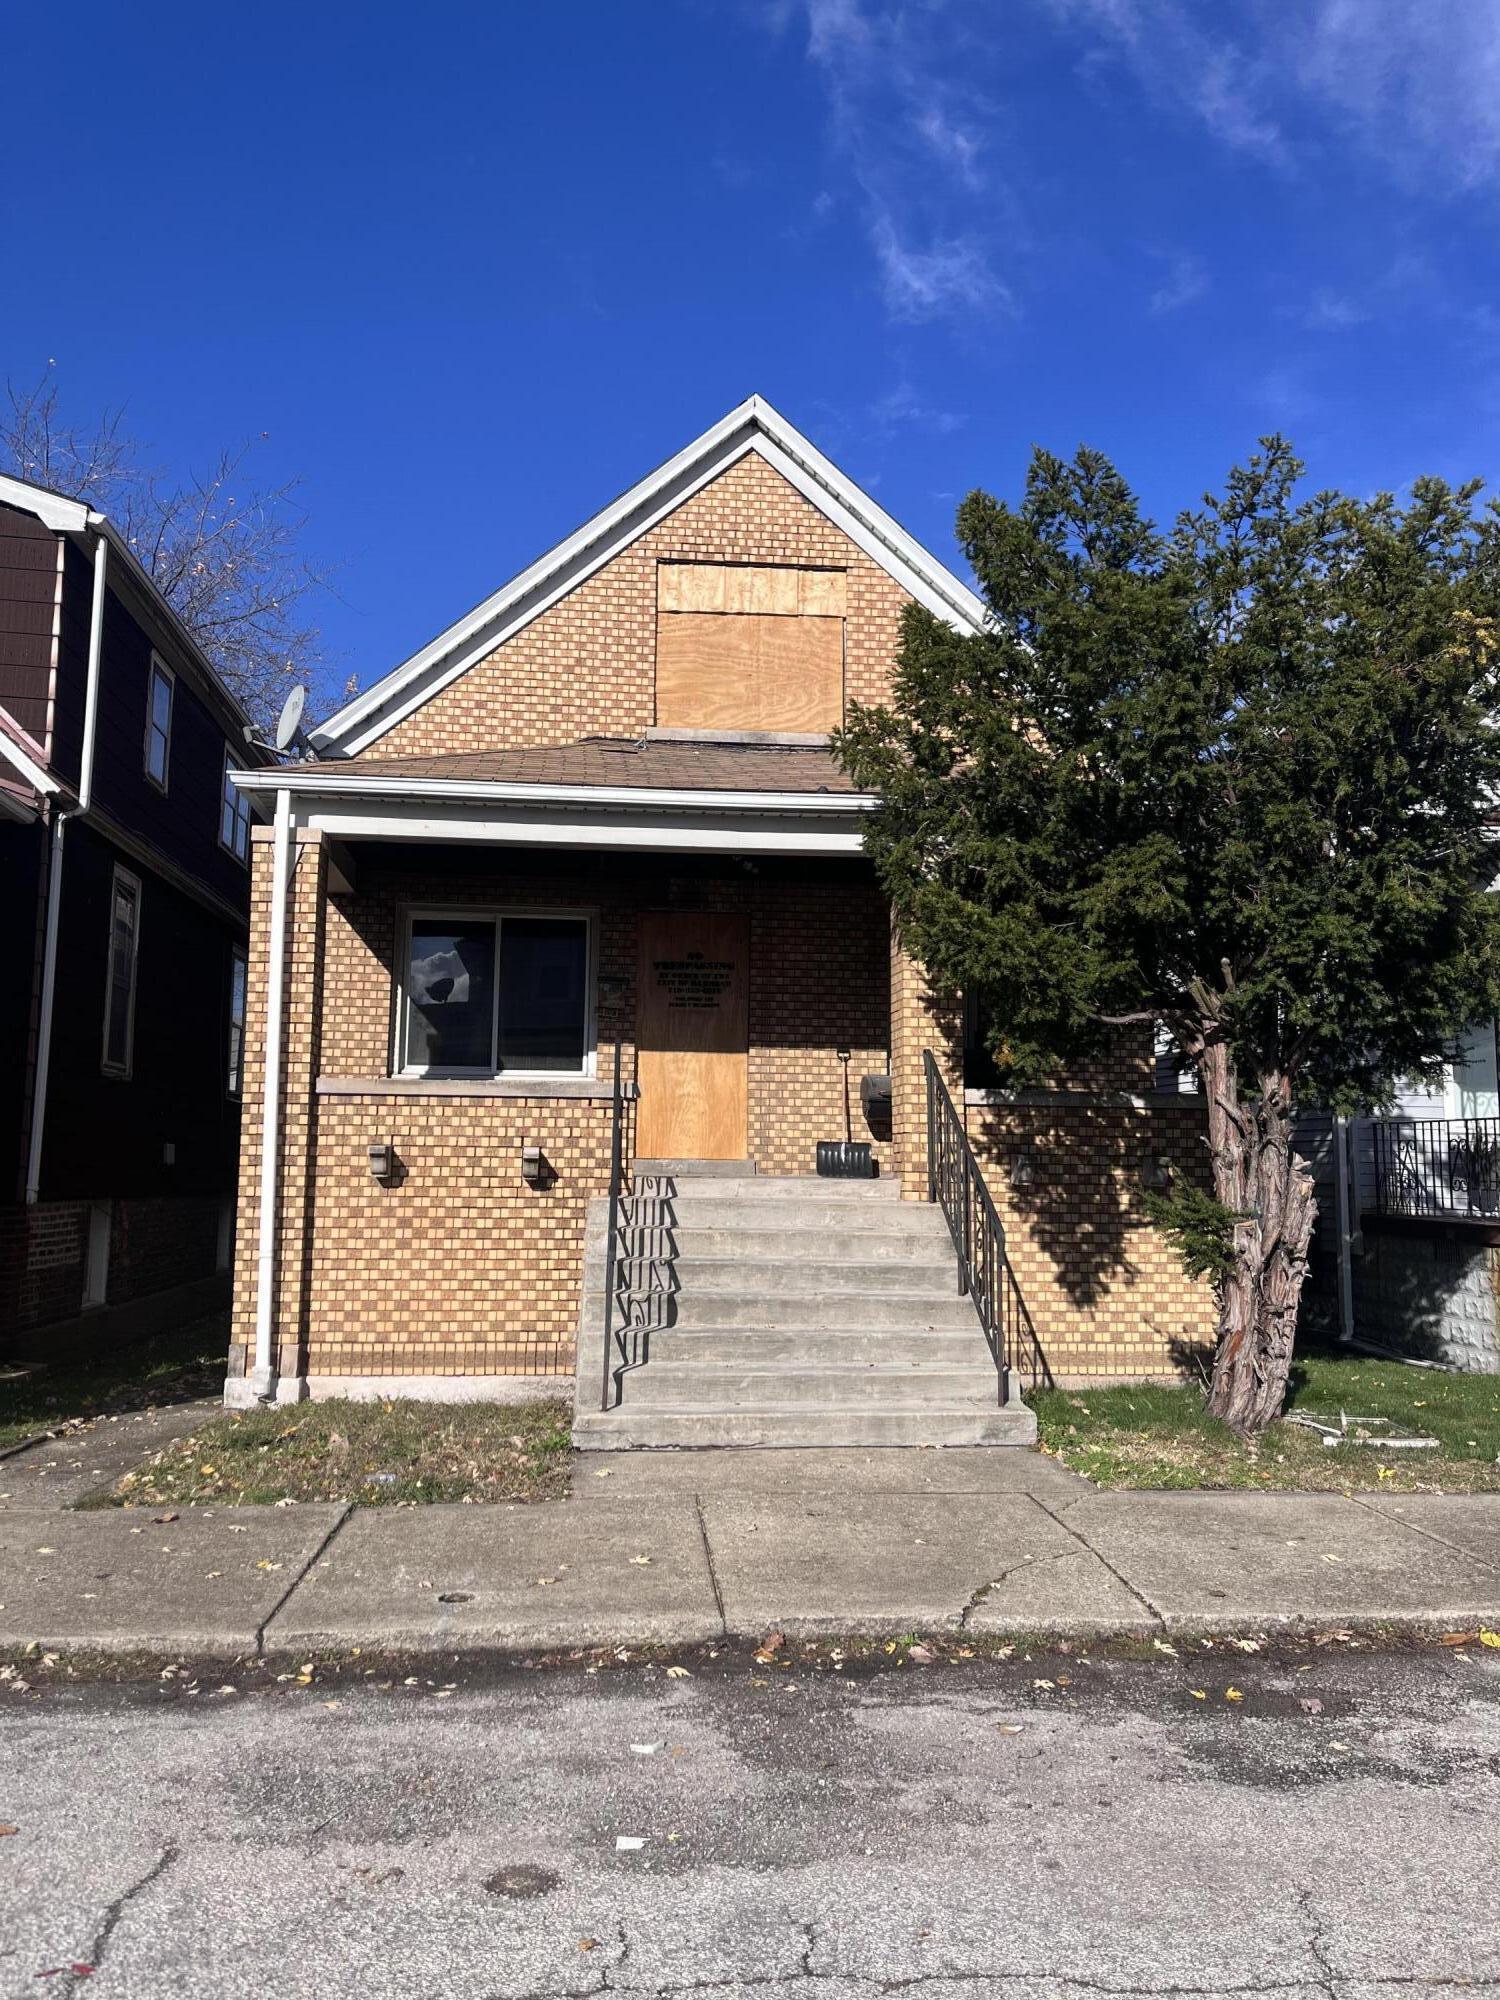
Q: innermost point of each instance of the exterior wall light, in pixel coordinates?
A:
(533, 1166)
(1022, 1169)
(1156, 1174)
(612, 988)
(382, 1160)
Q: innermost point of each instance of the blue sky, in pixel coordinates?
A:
(474, 269)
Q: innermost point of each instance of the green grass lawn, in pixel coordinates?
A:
(1159, 1435)
(376, 1453)
(173, 1367)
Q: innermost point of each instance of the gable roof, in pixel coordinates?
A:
(751, 427)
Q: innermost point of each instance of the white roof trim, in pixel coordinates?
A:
(20, 759)
(365, 783)
(53, 510)
(752, 426)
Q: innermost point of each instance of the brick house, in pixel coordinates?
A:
(125, 889)
(600, 813)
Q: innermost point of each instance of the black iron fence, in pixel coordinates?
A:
(1438, 1166)
(984, 1272)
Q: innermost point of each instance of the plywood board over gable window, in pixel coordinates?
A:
(749, 646)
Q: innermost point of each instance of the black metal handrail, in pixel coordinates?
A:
(1438, 1166)
(638, 1258)
(984, 1272)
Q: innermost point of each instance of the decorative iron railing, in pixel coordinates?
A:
(638, 1259)
(1438, 1166)
(984, 1271)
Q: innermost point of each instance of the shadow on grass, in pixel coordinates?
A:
(181, 1365)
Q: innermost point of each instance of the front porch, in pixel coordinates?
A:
(444, 972)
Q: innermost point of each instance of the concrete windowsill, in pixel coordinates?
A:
(589, 1087)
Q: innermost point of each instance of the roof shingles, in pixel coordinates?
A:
(616, 761)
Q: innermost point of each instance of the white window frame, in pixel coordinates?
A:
(238, 803)
(495, 914)
(160, 668)
(235, 1072)
(126, 1068)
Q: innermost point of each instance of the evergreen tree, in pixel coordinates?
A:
(1234, 780)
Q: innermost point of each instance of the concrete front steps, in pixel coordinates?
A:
(794, 1311)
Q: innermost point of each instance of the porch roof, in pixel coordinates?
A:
(602, 792)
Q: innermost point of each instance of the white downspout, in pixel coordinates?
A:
(54, 876)
(263, 1375)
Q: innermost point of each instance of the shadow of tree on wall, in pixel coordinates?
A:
(1419, 1293)
(1069, 1180)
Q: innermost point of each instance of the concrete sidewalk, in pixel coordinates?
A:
(682, 1548)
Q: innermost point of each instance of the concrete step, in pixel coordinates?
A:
(737, 1170)
(866, 1243)
(688, 1385)
(786, 1188)
(797, 1221)
(857, 1310)
(804, 1277)
(819, 1347)
(629, 1428)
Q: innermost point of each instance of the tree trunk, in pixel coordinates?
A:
(1259, 1178)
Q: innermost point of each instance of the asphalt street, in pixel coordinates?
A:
(748, 1826)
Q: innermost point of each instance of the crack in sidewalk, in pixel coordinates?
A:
(708, 1557)
(298, 1580)
(1084, 1543)
(1013, 1569)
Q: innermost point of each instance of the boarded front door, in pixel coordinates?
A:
(693, 1037)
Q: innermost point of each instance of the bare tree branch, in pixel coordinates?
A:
(224, 552)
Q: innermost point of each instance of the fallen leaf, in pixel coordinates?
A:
(1043, 1684)
(4, 1830)
(923, 1655)
(1199, 1694)
(1233, 1694)
(1488, 1638)
(591, 1944)
(640, 1561)
(678, 1674)
(1457, 1639)
(1010, 1728)
(164, 1520)
(1310, 1705)
(773, 1642)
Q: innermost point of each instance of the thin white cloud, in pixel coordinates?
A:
(903, 406)
(910, 127)
(950, 275)
(1329, 311)
(1185, 282)
(1414, 82)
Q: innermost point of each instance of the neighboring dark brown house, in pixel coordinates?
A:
(124, 888)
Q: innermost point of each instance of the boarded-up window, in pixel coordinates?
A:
(749, 646)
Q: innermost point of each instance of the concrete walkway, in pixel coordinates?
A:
(677, 1549)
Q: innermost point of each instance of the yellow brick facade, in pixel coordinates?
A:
(457, 1267)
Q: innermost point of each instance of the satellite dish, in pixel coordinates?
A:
(289, 723)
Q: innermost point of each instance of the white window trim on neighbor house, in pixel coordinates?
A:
(496, 915)
(239, 964)
(234, 808)
(121, 878)
(160, 671)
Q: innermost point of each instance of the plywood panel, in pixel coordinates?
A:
(692, 1037)
(741, 671)
(782, 590)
